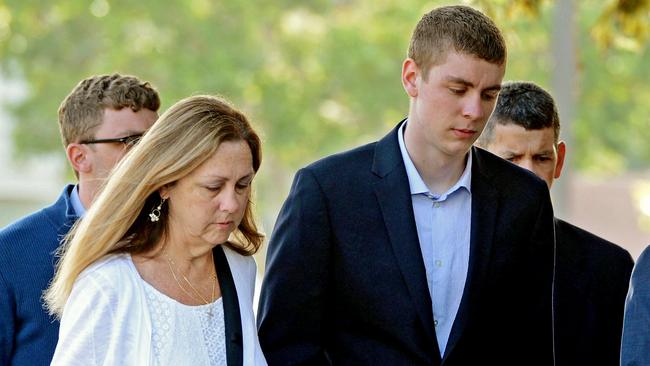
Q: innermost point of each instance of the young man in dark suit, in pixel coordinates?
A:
(592, 274)
(100, 120)
(417, 249)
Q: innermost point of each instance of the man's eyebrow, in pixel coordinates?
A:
(493, 88)
(458, 80)
(545, 152)
(469, 84)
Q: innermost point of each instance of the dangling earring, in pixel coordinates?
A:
(154, 215)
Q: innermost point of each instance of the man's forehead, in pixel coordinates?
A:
(124, 122)
(516, 135)
(511, 127)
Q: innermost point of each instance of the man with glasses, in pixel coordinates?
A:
(99, 120)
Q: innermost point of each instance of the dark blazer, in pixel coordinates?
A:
(28, 335)
(592, 278)
(345, 281)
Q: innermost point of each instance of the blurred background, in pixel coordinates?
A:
(320, 76)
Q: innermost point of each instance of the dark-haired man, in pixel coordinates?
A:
(99, 120)
(417, 249)
(592, 274)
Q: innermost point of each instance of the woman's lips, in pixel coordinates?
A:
(224, 224)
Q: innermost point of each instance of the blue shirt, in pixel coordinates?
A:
(443, 223)
(75, 201)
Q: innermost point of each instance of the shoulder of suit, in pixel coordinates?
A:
(343, 160)
(34, 223)
(43, 222)
(506, 176)
(597, 246)
(35, 232)
(641, 274)
(503, 168)
(29, 225)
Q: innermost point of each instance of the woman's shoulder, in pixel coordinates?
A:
(109, 269)
(110, 263)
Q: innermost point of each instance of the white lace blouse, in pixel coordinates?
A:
(183, 334)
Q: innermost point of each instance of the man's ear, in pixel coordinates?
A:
(410, 72)
(561, 153)
(78, 156)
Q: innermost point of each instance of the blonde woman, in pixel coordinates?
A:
(159, 271)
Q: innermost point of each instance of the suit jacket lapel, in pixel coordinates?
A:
(394, 197)
(484, 212)
(232, 317)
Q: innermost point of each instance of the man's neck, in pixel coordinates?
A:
(86, 192)
(438, 170)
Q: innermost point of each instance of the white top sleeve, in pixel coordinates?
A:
(86, 325)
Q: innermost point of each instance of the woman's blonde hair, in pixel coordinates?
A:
(183, 138)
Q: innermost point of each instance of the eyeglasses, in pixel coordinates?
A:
(128, 140)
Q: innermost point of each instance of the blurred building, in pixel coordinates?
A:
(28, 184)
(615, 208)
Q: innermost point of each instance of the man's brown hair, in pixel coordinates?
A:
(82, 110)
(458, 28)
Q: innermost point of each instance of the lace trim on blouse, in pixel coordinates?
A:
(185, 334)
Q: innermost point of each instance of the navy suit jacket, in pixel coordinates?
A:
(592, 278)
(345, 281)
(28, 335)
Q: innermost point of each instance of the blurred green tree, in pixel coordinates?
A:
(316, 76)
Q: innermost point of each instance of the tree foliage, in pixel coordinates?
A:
(315, 76)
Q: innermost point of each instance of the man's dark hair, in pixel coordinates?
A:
(524, 104)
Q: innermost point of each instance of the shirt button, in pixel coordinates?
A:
(438, 263)
(436, 204)
(435, 323)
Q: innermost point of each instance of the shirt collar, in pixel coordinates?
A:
(78, 207)
(417, 185)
